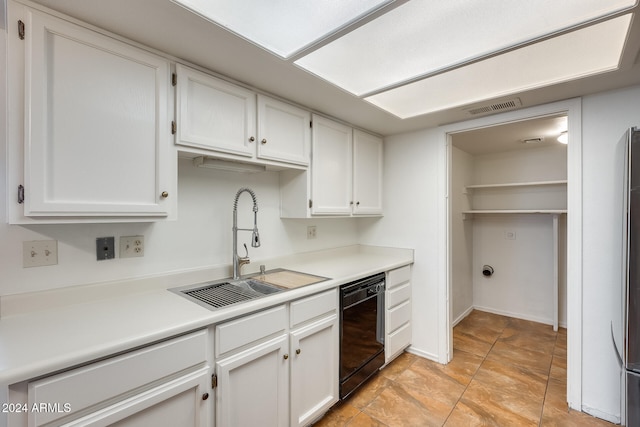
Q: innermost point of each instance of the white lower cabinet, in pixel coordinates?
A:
(314, 368)
(252, 370)
(397, 312)
(274, 372)
(176, 403)
(166, 384)
(252, 386)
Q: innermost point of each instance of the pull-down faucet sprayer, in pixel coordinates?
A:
(255, 237)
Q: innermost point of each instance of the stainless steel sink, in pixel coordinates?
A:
(226, 292)
(253, 285)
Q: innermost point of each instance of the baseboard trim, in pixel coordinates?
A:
(462, 316)
(544, 321)
(601, 415)
(421, 353)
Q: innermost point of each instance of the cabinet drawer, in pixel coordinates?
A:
(398, 295)
(245, 330)
(397, 341)
(313, 307)
(99, 382)
(398, 276)
(398, 316)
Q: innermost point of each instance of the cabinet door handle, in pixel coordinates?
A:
(264, 141)
(357, 203)
(286, 356)
(164, 194)
(205, 396)
(251, 139)
(298, 351)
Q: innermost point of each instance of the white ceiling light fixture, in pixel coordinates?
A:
(424, 37)
(588, 51)
(284, 27)
(563, 138)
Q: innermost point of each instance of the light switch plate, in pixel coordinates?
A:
(311, 232)
(38, 253)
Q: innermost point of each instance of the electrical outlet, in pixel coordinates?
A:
(105, 248)
(37, 253)
(131, 246)
(311, 232)
(510, 235)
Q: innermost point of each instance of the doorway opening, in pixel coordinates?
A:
(508, 204)
(500, 229)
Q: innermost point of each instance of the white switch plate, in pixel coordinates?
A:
(311, 232)
(38, 253)
(510, 235)
(131, 246)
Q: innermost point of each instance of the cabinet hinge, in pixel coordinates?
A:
(214, 381)
(310, 203)
(174, 127)
(21, 29)
(311, 124)
(174, 79)
(20, 194)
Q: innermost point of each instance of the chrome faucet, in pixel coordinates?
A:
(239, 261)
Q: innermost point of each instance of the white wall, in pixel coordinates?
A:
(200, 238)
(522, 285)
(606, 116)
(413, 175)
(462, 172)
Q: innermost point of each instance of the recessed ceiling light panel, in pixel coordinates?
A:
(283, 27)
(422, 37)
(588, 51)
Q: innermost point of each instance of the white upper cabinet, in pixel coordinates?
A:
(346, 172)
(284, 131)
(215, 115)
(367, 173)
(331, 167)
(345, 177)
(90, 124)
(219, 119)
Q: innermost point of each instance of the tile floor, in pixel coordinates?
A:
(504, 372)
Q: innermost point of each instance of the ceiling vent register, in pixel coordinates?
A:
(497, 107)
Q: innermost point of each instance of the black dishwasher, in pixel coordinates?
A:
(361, 331)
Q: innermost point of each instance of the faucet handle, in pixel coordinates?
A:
(246, 252)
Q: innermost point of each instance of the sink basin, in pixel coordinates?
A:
(253, 285)
(227, 292)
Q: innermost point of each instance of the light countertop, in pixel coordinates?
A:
(46, 332)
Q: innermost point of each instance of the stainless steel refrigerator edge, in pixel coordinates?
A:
(630, 357)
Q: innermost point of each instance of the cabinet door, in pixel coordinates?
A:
(284, 132)
(119, 377)
(253, 386)
(314, 370)
(367, 174)
(180, 402)
(215, 115)
(97, 131)
(331, 167)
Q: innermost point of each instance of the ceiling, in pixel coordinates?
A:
(163, 25)
(519, 135)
